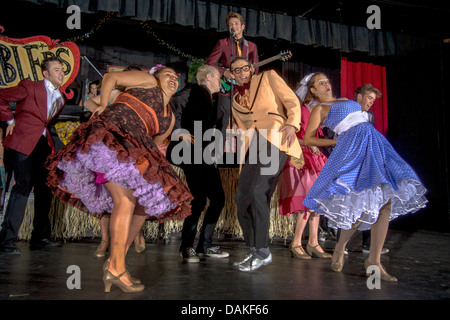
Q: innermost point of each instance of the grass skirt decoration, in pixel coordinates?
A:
(70, 223)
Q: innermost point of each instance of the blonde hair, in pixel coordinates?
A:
(203, 71)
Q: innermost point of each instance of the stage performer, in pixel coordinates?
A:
(139, 242)
(366, 95)
(364, 183)
(112, 164)
(29, 142)
(295, 183)
(266, 106)
(195, 111)
(221, 57)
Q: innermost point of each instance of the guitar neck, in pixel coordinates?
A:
(266, 61)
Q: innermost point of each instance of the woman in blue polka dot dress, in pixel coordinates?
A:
(364, 184)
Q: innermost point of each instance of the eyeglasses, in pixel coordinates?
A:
(238, 70)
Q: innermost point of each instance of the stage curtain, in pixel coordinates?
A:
(259, 23)
(355, 74)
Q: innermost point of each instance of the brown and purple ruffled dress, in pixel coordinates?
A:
(118, 146)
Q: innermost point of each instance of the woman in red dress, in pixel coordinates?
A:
(294, 183)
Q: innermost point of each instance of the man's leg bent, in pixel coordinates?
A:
(17, 203)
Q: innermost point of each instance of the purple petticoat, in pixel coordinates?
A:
(84, 177)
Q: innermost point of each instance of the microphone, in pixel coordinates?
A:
(232, 31)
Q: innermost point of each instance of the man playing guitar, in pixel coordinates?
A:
(221, 57)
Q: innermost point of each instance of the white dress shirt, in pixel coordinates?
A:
(54, 100)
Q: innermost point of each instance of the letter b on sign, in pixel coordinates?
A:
(374, 21)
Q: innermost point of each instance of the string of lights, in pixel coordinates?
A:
(87, 35)
(100, 24)
(55, 43)
(150, 31)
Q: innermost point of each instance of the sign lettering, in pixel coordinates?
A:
(21, 58)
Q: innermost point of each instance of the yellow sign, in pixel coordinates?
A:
(21, 58)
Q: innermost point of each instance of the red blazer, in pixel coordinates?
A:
(222, 54)
(30, 116)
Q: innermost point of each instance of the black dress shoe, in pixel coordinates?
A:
(9, 248)
(44, 243)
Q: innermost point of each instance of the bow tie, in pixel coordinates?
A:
(241, 89)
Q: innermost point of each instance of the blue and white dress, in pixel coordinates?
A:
(362, 173)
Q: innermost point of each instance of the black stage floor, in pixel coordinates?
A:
(420, 260)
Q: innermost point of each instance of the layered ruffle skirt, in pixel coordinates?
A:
(361, 175)
(115, 147)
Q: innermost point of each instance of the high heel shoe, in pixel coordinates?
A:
(139, 247)
(383, 273)
(133, 279)
(295, 254)
(337, 264)
(101, 249)
(109, 279)
(312, 250)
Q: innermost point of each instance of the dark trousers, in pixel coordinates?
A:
(204, 182)
(29, 172)
(253, 196)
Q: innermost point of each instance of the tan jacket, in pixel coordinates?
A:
(274, 106)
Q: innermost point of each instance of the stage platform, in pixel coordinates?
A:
(420, 260)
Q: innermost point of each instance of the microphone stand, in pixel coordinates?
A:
(86, 58)
(231, 90)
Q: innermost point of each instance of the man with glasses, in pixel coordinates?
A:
(264, 105)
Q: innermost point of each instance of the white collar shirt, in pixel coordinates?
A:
(54, 100)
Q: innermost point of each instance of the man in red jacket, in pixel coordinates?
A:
(221, 57)
(29, 142)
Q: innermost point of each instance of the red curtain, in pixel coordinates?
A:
(355, 74)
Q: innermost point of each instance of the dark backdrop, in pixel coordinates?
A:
(418, 127)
